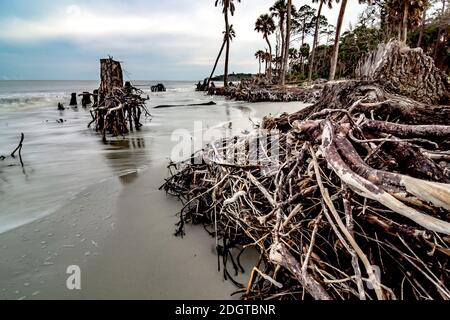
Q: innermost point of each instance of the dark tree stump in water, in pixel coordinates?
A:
(158, 88)
(111, 76)
(95, 96)
(73, 100)
(116, 106)
(86, 100)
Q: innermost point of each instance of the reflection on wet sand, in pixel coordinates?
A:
(129, 155)
(129, 177)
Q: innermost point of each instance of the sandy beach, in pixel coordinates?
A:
(120, 233)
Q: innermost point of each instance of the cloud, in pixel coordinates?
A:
(169, 33)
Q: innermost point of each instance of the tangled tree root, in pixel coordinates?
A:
(119, 106)
(255, 92)
(18, 150)
(343, 200)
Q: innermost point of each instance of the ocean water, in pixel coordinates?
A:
(62, 159)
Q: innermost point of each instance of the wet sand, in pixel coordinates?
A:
(120, 233)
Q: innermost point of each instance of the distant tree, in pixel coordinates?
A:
(279, 10)
(293, 53)
(231, 35)
(304, 22)
(403, 15)
(443, 22)
(266, 26)
(316, 33)
(334, 55)
(228, 8)
(354, 44)
(287, 43)
(267, 60)
(260, 56)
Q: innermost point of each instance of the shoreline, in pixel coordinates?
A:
(107, 236)
(122, 223)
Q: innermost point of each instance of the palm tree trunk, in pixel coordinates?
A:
(217, 61)
(227, 52)
(277, 49)
(269, 72)
(286, 45)
(405, 22)
(316, 36)
(265, 69)
(436, 47)
(334, 56)
(422, 28)
(283, 47)
(302, 60)
(259, 61)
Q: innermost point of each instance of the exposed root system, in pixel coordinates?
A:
(120, 107)
(349, 202)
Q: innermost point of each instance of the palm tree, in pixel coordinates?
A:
(266, 26)
(279, 10)
(264, 60)
(293, 53)
(334, 55)
(228, 7)
(231, 35)
(422, 24)
(304, 24)
(287, 43)
(441, 28)
(405, 14)
(316, 33)
(260, 56)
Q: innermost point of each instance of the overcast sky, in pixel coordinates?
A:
(155, 39)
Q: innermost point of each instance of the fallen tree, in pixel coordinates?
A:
(164, 106)
(119, 107)
(346, 199)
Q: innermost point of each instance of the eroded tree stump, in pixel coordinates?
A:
(73, 100)
(111, 75)
(409, 72)
(117, 108)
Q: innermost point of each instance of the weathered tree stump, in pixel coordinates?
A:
(405, 71)
(159, 88)
(86, 99)
(95, 96)
(118, 108)
(111, 76)
(73, 100)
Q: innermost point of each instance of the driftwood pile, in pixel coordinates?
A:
(258, 90)
(119, 107)
(346, 199)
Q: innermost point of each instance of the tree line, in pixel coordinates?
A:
(333, 53)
